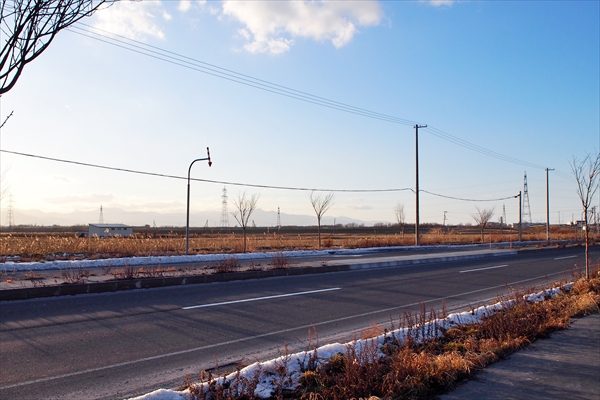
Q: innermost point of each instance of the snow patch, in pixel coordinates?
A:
(10, 266)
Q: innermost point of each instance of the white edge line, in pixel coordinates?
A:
(260, 298)
(483, 269)
(565, 257)
(267, 334)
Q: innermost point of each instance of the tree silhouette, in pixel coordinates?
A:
(586, 174)
(483, 217)
(29, 26)
(320, 203)
(244, 207)
(400, 217)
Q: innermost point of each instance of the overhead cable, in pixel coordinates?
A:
(260, 186)
(133, 171)
(465, 199)
(181, 60)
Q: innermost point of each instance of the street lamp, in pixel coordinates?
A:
(187, 220)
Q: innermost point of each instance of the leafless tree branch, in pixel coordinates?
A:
(400, 216)
(6, 119)
(29, 26)
(586, 174)
(482, 217)
(320, 203)
(244, 207)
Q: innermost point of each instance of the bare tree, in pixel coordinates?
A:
(586, 174)
(320, 203)
(400, 217)
(244, 207)
(29, 26)
(482, 217)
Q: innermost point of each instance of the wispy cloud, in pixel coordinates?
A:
(81, 199)
(441, 3)
(272, 26)
(134, 19)
(184, 5)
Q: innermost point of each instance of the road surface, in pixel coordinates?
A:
(116, 345)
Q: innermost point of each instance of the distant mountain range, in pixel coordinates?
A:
(141, 218)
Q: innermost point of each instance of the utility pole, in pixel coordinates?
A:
(548, 205)
(417, 126)
(445, 212)
(520, 218)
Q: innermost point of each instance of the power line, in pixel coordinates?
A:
(271, 87)
(232, 73)
(465, 199)
(161, 175)
(479, 149)
(237, 78)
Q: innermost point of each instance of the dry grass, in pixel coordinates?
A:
(55, 246)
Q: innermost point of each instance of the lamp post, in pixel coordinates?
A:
(187, 220)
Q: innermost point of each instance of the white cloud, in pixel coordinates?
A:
(184, 5)
(441, 3)
(271, 26)
(134, 19)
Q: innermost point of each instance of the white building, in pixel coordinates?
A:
(109, 230)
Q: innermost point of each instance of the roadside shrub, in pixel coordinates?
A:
(230, 264)
(280, 261)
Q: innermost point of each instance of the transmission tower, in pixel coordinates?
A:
(503, 214)
(101, 218)
(224, 213)
(278, 218)
(10, 212)
(526, 206)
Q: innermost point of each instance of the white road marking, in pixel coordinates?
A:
(564, 258)
(260, 298)
(483, 269)
(274, 333)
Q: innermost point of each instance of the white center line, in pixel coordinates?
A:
(260, 298)
(483, 269)
(564, 258)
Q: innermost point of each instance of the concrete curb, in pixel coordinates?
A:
(146, 283)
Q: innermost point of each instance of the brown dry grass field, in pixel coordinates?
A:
(61, 245)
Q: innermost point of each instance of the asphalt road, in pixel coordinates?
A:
(116, 345)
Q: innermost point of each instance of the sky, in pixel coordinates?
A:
(520, 79)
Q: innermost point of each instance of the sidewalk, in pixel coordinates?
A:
(564, 366)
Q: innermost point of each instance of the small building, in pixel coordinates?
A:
(109, 230)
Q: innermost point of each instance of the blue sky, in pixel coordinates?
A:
(519, 78)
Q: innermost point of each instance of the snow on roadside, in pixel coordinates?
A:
(268, 372)
(10, 266)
